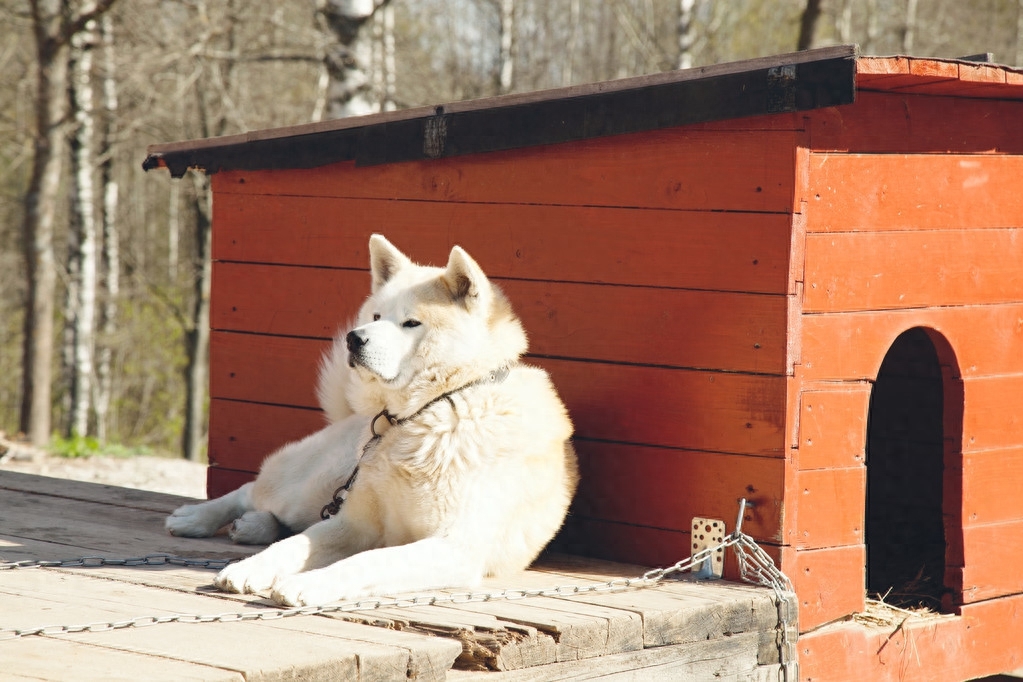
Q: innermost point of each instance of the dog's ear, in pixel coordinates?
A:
(465, 280)
(384, 260)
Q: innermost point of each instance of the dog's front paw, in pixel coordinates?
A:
(314, 588)
(192, 521)
(249, 576)
(255, 528)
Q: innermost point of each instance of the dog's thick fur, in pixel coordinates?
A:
(471, 477)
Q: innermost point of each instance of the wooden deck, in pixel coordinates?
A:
(681, 629)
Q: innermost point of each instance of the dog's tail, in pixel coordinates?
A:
(333, 381)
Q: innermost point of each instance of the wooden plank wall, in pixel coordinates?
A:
(651, 272)
(895, 241)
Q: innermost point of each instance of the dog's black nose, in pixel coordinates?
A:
(355, 340)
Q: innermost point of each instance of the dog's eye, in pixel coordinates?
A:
(409, 324)
(376, 316)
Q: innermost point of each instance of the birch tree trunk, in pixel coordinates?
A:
(506, 75)
(111, 258)
(685, 33)
(53, 25)
(350, 90)
(83, 226)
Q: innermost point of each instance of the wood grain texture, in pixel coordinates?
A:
(662, 248)
(990, 553)
(891, 270)
(884, 192)
(220, 480)
(987, 340)
(828, 582)
(695, 409)
(992, 418)
(737, 332)
(833, 426)
(243, 433)
(666, 488)
(826, 508)
(671, 168)
(991, 482)
(982, 641)
(897, 122)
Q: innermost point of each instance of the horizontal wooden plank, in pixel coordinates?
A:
(49, 658)
(629, 543)
(663, 248)
(828, 582)
(991, 482)
(982, 641)
(883, 192)
(825, 508)
(220, 480)
(886, 122)
(992, 418)
(278, 370)
(670, 168)
(666, 488)
(695, 409)
(681, 328)
(991, 554)
(104, 527)
(241, 434)
(891, 270)
(851, 346)
(833, 426)
(281, 647)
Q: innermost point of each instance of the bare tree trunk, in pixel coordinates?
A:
(505, 77)
(53, 24)
(390, 63)
(843, 22)
(173, 230)
(37, 235)
(573, 42)
(1019, 33)
(873, 28)
(198, 337)
(83, 225)
(808, 24)
(909, 31)
(111, 258)
(348, 58)
(685, 33)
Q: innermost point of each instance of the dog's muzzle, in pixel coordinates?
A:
(356, 341)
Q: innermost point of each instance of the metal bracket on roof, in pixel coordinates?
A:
(435, 132)
(781, 88)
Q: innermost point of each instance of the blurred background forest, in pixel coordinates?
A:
(104, 269)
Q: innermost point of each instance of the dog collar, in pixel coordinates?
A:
(497, 376)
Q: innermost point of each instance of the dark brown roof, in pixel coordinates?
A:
(795, 82)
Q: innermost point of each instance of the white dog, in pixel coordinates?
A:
(456, 456)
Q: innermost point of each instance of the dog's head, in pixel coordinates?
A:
(424, 324)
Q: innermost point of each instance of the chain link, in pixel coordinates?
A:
(99, 562)
(755, 567)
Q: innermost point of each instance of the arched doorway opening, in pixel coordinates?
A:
(913, 524)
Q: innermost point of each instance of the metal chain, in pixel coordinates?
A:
(755, 566)
(98, 562)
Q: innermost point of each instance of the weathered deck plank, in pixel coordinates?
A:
(697, 628)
